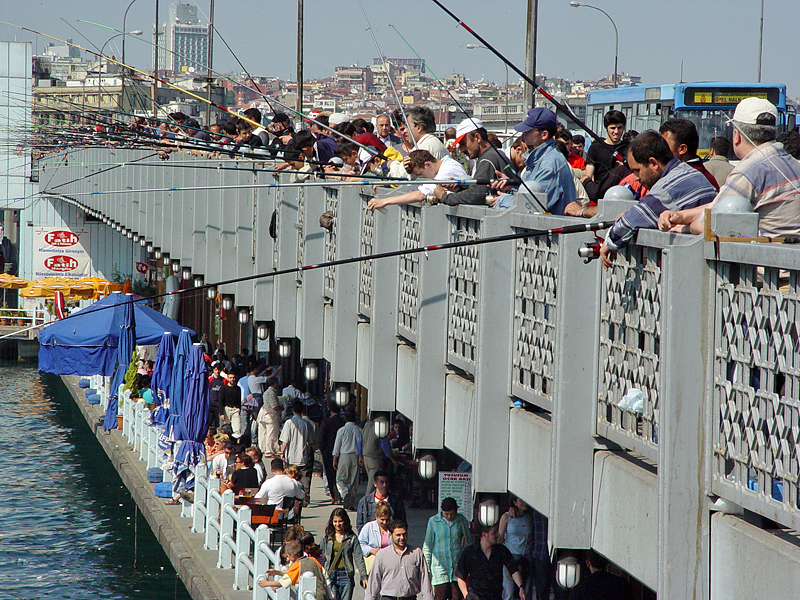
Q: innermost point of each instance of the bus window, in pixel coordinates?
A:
(710, 124)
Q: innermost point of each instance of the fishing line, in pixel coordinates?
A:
(562, 107)
(502, 156)
(530, 233)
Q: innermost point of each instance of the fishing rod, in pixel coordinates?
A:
(531, 233)
(247, 186)
(135, 70)
(562, 107)
(388, 74)
(220, 167)
(291, 110)
(502, 156)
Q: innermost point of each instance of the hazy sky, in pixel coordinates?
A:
(715, 39)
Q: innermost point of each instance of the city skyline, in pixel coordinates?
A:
(576, 44)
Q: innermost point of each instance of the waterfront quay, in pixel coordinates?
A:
(180, 529)
(515, 357)
(195, 566)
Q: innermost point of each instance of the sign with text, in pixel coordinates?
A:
(458, 486)
(61, 252)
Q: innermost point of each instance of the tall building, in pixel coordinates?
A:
(182, 40)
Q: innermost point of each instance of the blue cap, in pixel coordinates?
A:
(538, 118)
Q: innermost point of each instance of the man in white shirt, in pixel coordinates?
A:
(297, 445)
(280, 485)
(345, 460)
(423, 164)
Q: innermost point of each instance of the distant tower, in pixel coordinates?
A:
(184, 36)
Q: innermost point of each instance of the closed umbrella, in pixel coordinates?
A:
(162, 376)
(194, 418)
(178, 376)
(127, 343)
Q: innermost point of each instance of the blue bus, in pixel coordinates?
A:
(709, 104)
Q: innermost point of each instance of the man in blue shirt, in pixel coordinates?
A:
(545, 164)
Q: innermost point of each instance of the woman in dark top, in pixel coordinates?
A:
(244, 475)
(343, 555)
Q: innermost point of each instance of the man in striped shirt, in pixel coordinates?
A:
(768, 176)
(673, 186)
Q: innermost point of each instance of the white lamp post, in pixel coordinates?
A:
(489, 513)
(211, 293)
(568, 572)
(284, 349)
(244, 315)
(427, 466)
(575, 4)
(227, 302)
(311, 372)
(342, 396)
(381, 427)
(262, 330)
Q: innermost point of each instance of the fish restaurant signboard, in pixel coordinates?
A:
(61, 252)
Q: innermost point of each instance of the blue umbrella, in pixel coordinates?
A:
(162, 375)
(177, 381)
(127, 343)
(194, 418)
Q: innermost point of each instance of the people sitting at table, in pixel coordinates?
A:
(280, 485)
(244, 475)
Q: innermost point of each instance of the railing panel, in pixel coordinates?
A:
(410, 237)
(756, 389)
(366, 248)
(536, 275)
(464, 294)
(331, 207)
(630, 339)
(301, 212)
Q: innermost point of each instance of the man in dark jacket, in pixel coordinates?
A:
(381, 493)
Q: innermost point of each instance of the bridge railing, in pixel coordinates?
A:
(755, 379)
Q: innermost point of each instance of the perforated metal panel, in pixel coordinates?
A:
(301, 216)
(536, 274)
(463, 294)
(366, 246)
(756, 394)
(410, 237)
(331, 206)
(630, 339)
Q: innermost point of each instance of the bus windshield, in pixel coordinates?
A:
(709, 123)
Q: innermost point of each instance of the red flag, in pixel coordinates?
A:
(58, 303)
(141, 267)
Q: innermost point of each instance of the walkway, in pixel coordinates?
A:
(196, 566)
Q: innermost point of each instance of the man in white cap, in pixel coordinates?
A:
(767, 175)
(473, 140)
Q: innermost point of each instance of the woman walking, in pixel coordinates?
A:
(343, 555)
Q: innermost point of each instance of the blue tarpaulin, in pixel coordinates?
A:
(86, 342)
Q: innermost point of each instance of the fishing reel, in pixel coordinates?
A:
(589, 251)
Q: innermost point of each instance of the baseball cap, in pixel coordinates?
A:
(466, 126)
(538, 118)
(749, 109)
(365, 157)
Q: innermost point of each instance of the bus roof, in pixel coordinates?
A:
(646, 91)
